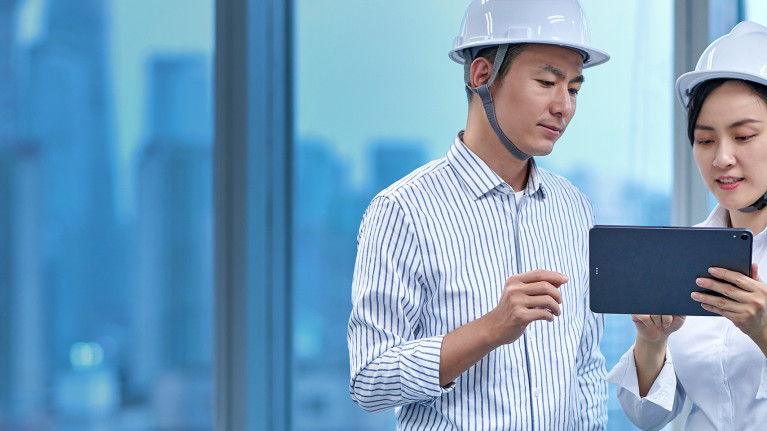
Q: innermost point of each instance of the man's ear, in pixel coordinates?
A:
(481, 70)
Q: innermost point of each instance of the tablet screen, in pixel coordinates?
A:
(652, 270)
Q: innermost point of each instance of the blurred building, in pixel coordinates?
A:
(66, 110)
(391, 159)
(328, 211)
(8, 73)
(22, 369)
(22, 336)
(173, 302)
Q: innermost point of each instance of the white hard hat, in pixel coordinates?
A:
(741, 54)
(552, 22)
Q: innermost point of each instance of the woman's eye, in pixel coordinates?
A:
(744, 138)
(704, 141)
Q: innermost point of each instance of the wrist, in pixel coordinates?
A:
(654, 351)
(488, 334)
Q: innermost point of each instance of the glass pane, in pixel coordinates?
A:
(618, 148)
(105, 175)
(374, 101)
(756, 10)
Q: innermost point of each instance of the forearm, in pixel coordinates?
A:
(462, 348)
(649, 358)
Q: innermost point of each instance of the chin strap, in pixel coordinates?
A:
(487, 100)
(756, 206)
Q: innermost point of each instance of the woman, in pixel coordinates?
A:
(718, 363)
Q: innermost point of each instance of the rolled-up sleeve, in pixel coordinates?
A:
(663, 402)
(390, 364)
(592, 388)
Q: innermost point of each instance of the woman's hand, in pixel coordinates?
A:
(744, 301)
(654, 329)
(650, 346)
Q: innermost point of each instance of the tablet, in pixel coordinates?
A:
(652, 270)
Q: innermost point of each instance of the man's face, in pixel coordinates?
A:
(536, 99)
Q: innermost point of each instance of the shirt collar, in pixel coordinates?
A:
(479, 179)
(718, 218)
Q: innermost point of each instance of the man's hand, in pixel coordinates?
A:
(526, 297)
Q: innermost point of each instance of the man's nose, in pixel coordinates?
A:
(563, 103)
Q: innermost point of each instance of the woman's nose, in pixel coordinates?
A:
(724, 156)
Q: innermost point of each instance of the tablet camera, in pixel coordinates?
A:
(744, 236)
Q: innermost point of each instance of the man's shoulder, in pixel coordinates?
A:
(421, 179)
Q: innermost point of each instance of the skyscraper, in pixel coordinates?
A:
(173, 304)
(21, 290)
(8, 73)
(66, 111)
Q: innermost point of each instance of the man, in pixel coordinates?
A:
(470, 288)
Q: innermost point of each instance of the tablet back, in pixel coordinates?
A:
(652, 270)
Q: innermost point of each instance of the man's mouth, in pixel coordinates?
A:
(552, 128)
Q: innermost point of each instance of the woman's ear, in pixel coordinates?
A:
(481, 70)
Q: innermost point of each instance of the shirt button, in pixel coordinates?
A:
(537, 392)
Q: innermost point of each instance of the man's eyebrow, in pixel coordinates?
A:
(561, 75)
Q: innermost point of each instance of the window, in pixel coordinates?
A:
(756, 11)
(106, 175)
(374, 101)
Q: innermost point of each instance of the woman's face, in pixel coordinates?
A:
(730, 145)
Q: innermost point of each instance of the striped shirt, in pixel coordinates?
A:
(434, 252)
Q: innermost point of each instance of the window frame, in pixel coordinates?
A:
(253, 155)
(252, 210)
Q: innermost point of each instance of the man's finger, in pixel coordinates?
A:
(543, 301)
(553, 277)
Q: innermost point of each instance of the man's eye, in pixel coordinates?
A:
(546, 83)
(574, 91)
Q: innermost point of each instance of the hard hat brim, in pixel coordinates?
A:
(688, 81)
(592, 57)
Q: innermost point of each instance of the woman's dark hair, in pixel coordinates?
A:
(701, 91)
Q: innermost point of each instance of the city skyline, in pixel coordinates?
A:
(76, 286)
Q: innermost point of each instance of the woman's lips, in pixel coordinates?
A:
(728, 183)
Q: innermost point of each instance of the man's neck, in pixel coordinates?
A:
(489, 148)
